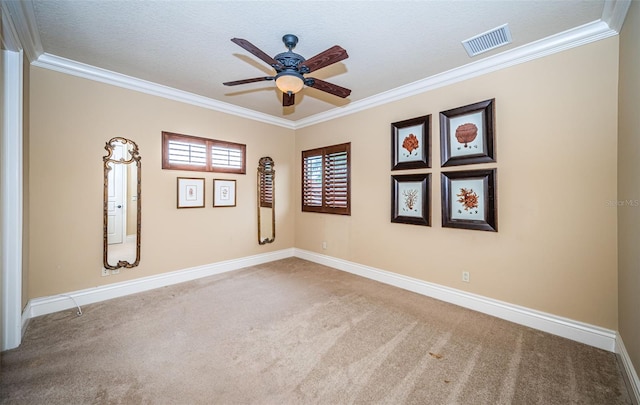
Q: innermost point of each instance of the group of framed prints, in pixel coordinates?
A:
(468, 197)
(191, 192)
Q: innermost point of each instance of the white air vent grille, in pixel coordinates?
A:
(488, 40)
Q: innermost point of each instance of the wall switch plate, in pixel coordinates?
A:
(115, 271)
(324, 245)
(465, 276)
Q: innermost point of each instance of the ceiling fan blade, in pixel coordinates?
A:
(326, 58)
(288, 99)
(257, 52)
(330, 88)
(245, 81)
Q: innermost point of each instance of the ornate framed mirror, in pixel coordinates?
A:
(266, 201)
(122, 210)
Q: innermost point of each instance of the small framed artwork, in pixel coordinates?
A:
(190, 192)
(469, 200)
(411, 143)
(467, 134)
(224, 193)
(410, 199)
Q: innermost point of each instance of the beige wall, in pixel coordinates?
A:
(628, 185)
(556, 248)
(71, 119)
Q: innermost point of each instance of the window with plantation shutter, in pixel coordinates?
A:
(326, 180)
(186, 152)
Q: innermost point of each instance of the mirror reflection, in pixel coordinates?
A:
(122, 213)
(266, 201)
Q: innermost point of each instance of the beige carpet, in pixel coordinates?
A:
(294, 332)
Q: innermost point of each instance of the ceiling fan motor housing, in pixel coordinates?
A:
(290, 61)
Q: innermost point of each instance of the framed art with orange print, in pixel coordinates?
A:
(469, 199)
(467, 134)
(411, 143)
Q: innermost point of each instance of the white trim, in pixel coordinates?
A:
(614, 13)
(570, 329)
(8, 36)
(58, 64)
(11, 204)
(24, 26)
(578, 36)
(55, 303)
(25, 317)
(572, 38)
(629, 370)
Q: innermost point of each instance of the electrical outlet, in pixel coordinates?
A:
(465, 276)
(105, 272)
(115, 271)
(324, 245)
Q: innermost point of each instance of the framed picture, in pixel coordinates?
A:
(469, 200)
(410, 199)
(224, 193)
(190, 192)
(411, 143)
(467, 134)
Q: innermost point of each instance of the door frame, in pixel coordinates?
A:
(119, 177)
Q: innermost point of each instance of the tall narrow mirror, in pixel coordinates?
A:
(121, 204)
(266, 201)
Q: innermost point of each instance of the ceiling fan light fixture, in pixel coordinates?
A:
(289, 82)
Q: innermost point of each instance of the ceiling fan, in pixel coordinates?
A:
(291, 68)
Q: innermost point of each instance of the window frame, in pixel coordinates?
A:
(209, 144)
(324, 153)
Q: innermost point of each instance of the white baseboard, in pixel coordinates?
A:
(61, 302)
(570, 329)
(574, 330)
(629, 370)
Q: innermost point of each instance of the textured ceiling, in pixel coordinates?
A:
(186, 45)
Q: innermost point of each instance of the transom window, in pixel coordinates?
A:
(326, 180)
(186, 152)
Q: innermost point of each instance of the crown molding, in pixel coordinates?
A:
(70, 67)
(22, 20)
(578, 36)
(614, 13)
(8, 35)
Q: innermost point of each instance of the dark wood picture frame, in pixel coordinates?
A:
(467, 134)
(411, 199)
(411, 143)
(466, 207)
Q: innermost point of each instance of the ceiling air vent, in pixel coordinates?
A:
(488, 40)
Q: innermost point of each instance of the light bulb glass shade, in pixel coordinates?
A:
(289, 82)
